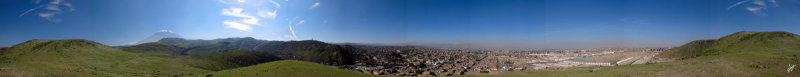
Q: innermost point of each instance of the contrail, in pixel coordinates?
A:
(291, 27)
(294, 36)
(292, 24)
(29, 10)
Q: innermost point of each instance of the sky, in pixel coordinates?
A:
(531, 24)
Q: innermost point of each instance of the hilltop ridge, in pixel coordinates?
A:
(64, 48)
(77, 57)
(736, 41)
(305, 50)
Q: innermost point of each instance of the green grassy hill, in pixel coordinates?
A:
(84, 58)
(288, 68)
(157, 49)
(688, 50)
(742, 54)
(307, 50)
(230, 59)
(735, 43)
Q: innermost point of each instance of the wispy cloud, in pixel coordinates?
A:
(756, 7)
(168, 31)
(50, 10)
(235, 12)
(269, 15)
(301, 22)
(244, 17)
(315, 5)
(277, 5)
(248, 13)
(238, 26)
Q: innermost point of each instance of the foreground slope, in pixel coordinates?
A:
(288, 68)
(742, 54)
(84, 58)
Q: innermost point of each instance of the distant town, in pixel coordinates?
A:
(422, 61)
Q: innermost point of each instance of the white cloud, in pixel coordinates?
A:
(269, 15)
(234, 11)
(301, 22)
(252, 20)
(315, 5)
(56, 2)
(51, 9)
(249, 12)
(168, 31)
(50, 16)
(756, 7)
(237, 12)
(238, 26)
(69, 5)
(277, 5)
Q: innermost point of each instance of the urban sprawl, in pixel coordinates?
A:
(422, 61)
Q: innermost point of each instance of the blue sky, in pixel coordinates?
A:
(478, 23)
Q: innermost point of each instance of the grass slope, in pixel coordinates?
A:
(307, 50)
(288, 68)
(84, 58)
(742, 54)
(156, 49)
(216, 60)
(230, 59)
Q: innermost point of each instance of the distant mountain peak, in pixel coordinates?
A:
(159, 35)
